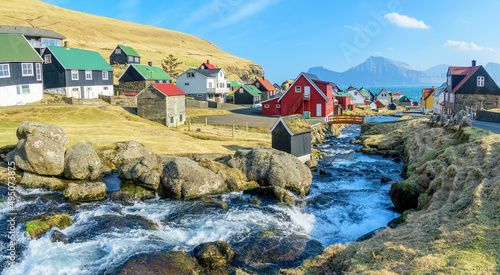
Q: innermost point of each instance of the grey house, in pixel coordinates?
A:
(292, 134)
(163, 103)
(38, 38)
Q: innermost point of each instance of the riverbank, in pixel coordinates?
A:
(452, 178)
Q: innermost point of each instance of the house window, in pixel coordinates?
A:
(257, 85)
(355, 93)
(480, 81)
(278, 105)
(76, 89)
(241, 90)
(27, 69)
(105, 88)
(190, 74)
(48, 58)
(298, 89)
(88, 75)
(266, 105)
(4, 70)
(210, 84)
(118, 51)
(130, 59)
(186, 84)
(171, 119)
(180, 117)
(25, 89)
(89, 89)
(137, 59)
(38, 71)
(74, 74)
(104, 75)
(228, 85)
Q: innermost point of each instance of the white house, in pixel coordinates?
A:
(360, 99)
(384, 95)
(21, 72)
(438, 100)
(205, 84)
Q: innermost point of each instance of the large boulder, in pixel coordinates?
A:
(404, 195)
(40, 149)
(141, 170)
(130, 192)
(42, 224)
(82, 162)
(172, 263)
(31, 180)
(184, 178)
(271, 167)
(85, 192)
(124, 150)
(214, 254)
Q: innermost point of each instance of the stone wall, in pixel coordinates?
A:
(120, 100)
(477, 101)
(196, 103)
(79, 101)
(135, 86)
(153, 106)
(176, 110)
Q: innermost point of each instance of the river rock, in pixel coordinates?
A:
(172, 263)
(141, 170)
(124, 150)
(40, 149)
(404, 195)
(82, 162)
(86, 191)
(58, 236)
(184, 178)
(31, 180)
(42, 224)
(214, 254)
(272, 192)
(106, 223)
(370, 235)
(130, 192)
(271, 167)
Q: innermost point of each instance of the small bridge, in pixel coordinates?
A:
(345, 119)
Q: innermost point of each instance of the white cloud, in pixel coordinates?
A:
(356, 28)
(391, 49)
(466, 46)
(405, 21)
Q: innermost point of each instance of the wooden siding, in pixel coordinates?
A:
(297, 145)
(244, 98)
(16, 75)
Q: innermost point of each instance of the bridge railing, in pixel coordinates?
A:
(346, 119)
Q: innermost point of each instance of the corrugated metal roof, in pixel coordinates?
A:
(252, 90)
(13, 47)
(27, 31)
(168, 89)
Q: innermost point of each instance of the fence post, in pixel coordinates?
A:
(232, 131)
(206, 121)
(189, 125)
(246, 126)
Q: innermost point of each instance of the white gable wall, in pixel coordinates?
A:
(9, 96)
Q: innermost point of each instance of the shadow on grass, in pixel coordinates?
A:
(132, 110)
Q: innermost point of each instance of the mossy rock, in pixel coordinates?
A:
(400, 220)
(214, 254)
(42, 224)
(130, 192)
(404, 195)
(175, 263)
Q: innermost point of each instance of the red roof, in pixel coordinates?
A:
(427, 92)
(266, 84)
(459, 70)
(168, 89)
(471, 71)
(130, 94)
(208, 65)
(397, 94)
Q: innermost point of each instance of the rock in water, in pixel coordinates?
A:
(42, 224)
(172, 263)
(85, 192)
(184, 178)
(30, 180)
(58, 236)
(40, 149)
(141, 170)
(271, 167)
(214, 254)
(82, 162)
(404, 195)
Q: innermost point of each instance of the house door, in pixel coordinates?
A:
(307, 91)
(318, 110)
(82, 93)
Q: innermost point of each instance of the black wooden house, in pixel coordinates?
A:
(123, 55)
(292, 134)
(247, 94)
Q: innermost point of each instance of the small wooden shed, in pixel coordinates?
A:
(292, 134)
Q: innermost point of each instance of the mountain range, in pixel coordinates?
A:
(377, 71)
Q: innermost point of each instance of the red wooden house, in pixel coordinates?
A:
(267, 89)
(307, 96)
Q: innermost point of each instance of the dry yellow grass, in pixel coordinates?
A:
(194, 113)
(102, 34)
(104, 127)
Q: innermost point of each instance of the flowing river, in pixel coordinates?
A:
(347, 202)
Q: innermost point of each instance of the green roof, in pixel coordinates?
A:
(235, 84)
(152, 72)
(129, 50)
(364, 92)
(347, 95)
(401, 99)
(252, 90)
(79, 59)
(384, 101)
(13, 47)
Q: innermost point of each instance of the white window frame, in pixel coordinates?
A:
(118, 51)
(480, 81)
(47, 58)
(266, 105)
(88, 75)
(278, 105)
(38, 71)
(186, 84)
(130, 59)
(210, 84)
(74, 75)
(257, 85)
(298, 89)
(240, 90)
(2, 69)
(25, 89)
(105, 75)
(136, 59)
(29, 69)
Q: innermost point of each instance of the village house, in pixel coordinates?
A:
(438, 100)
(384, 95)
(123, 55)
(470, 87)
(397, 96)
(379, 104)
(137, 77)
(307, 95)
(367, 95)
(76, 73)
(359, 99)
(205, 83)
(292, 134)
(267, 89)
(426, 100)
(38, 38)
(278, 88)
(346, 101)
(235, 85)
(21, 72)
(163, 103)
(404, 101)
(247, 94)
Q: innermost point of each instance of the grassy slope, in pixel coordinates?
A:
(103, 128)
(102, 34)
(457, 227)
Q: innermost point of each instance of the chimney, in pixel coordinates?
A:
(66, 44)
(125, 44)
(150, 63)
(433, 87)
(264, 77)
(208, 61)
(473, 63)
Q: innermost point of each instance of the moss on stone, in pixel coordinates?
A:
(42, 224)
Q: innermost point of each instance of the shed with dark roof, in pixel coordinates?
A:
(292, 134)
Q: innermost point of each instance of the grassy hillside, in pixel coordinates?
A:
(102, 34)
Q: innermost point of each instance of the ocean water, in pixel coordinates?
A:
(412, 92)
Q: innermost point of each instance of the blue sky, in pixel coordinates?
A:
(286, 37)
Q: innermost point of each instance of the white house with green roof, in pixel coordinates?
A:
(21, 72)
(123, 55)
(76, 73)
(137, 77)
